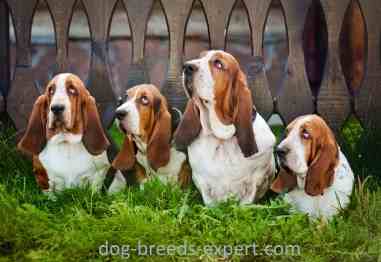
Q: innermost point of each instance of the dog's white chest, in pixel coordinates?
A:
(69, 164)
(220, 170)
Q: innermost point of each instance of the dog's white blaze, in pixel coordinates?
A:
(60, 97)
(132, 120)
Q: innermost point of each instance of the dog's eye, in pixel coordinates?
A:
(218, 64)
(144, 100)
(72, 91)
(305, 134)
(51, 90)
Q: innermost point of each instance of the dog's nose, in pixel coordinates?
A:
(281, 151)
(189, 69)
(57, 109)
(120, 114)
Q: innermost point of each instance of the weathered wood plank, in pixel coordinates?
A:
(217, 17)
(262, 98)
(99, 13)
(177, 13)
(23, 91)
(61, 12)
(296, 97)
(368, 102)
(138, 14)
(333, 99)
(4, 55)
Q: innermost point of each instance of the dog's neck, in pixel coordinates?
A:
(65, 137)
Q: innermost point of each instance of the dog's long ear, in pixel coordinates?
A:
(322, 168)
(189, 127)
(284, 182)
(243, 116)
(126, 158)
(158, 149)
(94, 138)
(34, 138)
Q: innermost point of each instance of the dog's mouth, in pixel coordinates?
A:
(286, 168)
(283, 164)
(122, 128)
(58, 124)
(188, 85)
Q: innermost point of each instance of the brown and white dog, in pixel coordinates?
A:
(230, 146)
(65, 137)
(146, 122)
(315, 172)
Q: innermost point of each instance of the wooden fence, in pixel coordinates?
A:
(333, 101)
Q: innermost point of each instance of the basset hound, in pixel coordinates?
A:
(65, 137)
(229, 144)
(146, 122)
(315, 172)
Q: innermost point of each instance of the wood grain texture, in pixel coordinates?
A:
(22, 15)
(217, 17)
(21, 97)
(368, 102)
(23, 91)
(177, 13)
(333, 99)
(99, 13)
(262, 98)
(62, 12)
(296, 97)
(138, 14)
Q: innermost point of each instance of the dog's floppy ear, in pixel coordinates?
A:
(243, 116)
(158, 149)
(34, 138)
(126, 158)
(189, 127)
(94, 138)
(322, 168)
(284, 182)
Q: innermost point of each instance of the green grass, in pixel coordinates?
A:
(72, 227)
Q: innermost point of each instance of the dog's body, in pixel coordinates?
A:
(146, 122)
(220, 170)
(316, 173)
(229, 144)
(65, 137)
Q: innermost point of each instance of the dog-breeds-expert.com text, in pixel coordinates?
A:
(146, 122)
(65, 137)
(229, 144)
(315, 173)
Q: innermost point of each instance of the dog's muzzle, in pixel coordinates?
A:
(280, 158)
(188, 74)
